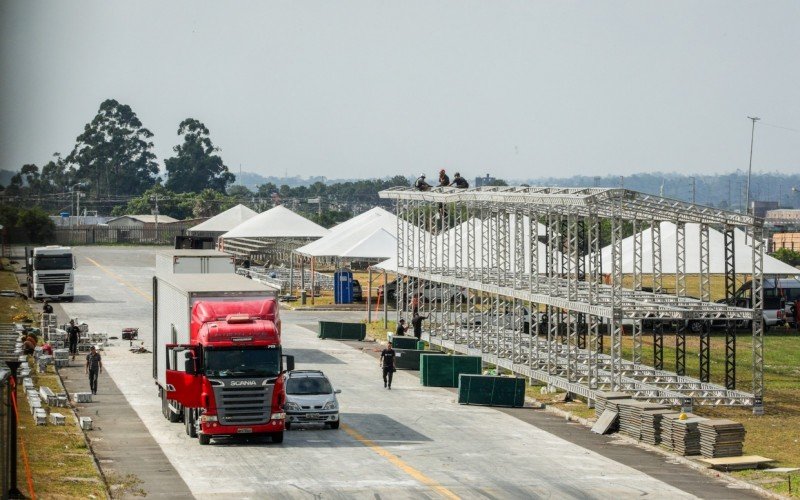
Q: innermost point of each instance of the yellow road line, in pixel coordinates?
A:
(395, 460)
(119, 278)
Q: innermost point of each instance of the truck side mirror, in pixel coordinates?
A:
(289, 363)
(189, 363)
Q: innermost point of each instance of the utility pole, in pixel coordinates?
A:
(155, 213)
(754, 119)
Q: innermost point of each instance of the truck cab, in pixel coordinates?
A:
(228, 379)
(50, 273)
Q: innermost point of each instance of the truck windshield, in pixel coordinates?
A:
(230, 363)
(308, 386)
(52, 262)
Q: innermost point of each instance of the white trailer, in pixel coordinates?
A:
(173, 298)
(194, 262)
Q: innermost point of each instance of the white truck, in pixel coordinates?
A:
(194, 262)
(50, 273)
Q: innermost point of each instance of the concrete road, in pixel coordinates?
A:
(411, 442)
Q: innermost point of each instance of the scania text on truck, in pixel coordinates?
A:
(50, 273)
(217, 357)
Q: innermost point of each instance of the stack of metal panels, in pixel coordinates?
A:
(61, 357)
(630, 416)
(651, 425)
(603, 397)
(720, 438)
(686, 436)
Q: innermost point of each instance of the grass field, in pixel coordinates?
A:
(61, 464)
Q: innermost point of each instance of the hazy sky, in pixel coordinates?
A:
(356, 89)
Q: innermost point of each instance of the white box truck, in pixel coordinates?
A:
(194, 262)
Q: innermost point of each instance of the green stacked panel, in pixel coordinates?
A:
(443, 371)
(490, 390)
(402, 342)
(408, 359)
(342, 331)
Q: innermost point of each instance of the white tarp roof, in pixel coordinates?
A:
(380, 244)
(343, 237)
(226, 220)
(743, 253)
(277, 222)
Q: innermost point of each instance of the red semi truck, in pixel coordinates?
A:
(217, 356)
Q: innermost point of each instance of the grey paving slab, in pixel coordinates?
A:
(411, 442)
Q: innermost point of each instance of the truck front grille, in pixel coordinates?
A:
(47, 279)
(54, 289)
(243, 405)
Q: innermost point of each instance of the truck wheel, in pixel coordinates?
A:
(204, 439)
(189, 423)
(277, 437)
(334, 425)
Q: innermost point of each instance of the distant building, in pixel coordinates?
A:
(139, 221)
(760, 208)
(484, 181)
(790, 241)
(79, 220)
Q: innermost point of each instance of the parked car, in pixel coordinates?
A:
(311, 399)
(391, 290)
(358, 294)
(432, 292)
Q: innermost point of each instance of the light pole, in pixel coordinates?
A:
(754, 119)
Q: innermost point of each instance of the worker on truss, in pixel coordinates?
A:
(420, 184)
(444, 180)
(459, 182)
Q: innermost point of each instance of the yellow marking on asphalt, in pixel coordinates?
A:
(119, 278)
(395, 460)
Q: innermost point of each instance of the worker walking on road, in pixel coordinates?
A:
(387, 362)
(94, 365)
(73, 332)
(416, 322)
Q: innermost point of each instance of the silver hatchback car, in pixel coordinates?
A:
(310, 398)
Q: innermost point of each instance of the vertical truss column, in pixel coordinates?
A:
(533, 345)
(658, 287)
(580, 271)
(420, 237)
(595, 276)
(705, 296)
(518, 275)
(433, 247)
(503, 247)
(444, 234)
(730, 290)
(486, 244)
(471, 241)
(637, 285)
(533, 276)
(758, 323)
(680, 291)
(403, 242)
(616, 298)
(553, 227)
(571, 252)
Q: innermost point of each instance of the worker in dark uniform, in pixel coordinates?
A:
(94, 365)
(416, 322)
(420, 184)
(402, 328)
(444, 180)
(459, 182)
(73, 332)
(387, 362)
(47, 308)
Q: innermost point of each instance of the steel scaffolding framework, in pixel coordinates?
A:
(532, 295)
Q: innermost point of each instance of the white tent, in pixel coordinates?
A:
(379, 244)
(277, 222)
(346, 236)
(743, 253)
(224, 221)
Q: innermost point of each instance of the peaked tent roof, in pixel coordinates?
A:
(226, 220)
(340, 241)
(380, 244)
(743, 253)
(277, 222)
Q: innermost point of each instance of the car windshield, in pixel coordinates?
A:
(52, 262)
(231, 363)
(306, 386)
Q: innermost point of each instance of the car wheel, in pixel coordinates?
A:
(204, 439)
(696, 326)
(277, 437)
(334, 425)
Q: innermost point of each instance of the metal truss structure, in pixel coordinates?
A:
(532, 295)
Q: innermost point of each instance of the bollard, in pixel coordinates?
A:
(303, 295)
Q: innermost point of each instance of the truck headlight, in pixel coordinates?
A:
(330, 405)
(277, 416)
(291, 406)
(208, 418)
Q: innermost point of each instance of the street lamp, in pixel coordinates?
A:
(754, 119)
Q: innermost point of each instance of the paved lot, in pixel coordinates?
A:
(410, 442)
